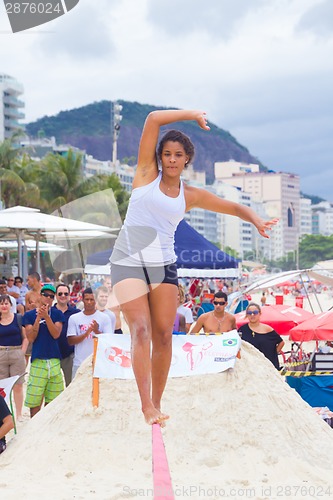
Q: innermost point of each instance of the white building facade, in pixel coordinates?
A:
(279, 192)
(322, 218)
(10, 106)
(305, 217)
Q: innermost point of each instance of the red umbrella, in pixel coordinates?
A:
(280, 317)
(320, 327)
(286, 283)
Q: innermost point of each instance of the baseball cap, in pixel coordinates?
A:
(49, 287)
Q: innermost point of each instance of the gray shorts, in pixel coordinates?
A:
(150, 275)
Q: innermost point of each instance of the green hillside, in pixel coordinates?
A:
(89, 128)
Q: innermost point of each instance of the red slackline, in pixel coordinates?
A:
(161, 473)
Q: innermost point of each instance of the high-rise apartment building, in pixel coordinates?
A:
(10, 106)
(305, 216)
(322, 218)
(203, 221)
(278, 191)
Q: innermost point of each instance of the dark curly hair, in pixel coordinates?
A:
(177, 136)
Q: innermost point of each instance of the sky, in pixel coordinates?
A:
(261, 69)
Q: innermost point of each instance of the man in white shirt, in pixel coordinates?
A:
(12, 289)
(83, 326)
(102, 297)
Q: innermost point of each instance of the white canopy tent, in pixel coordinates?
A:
(19, 222)
(276, 279)
(231, 273)
(303, 275)
(31, 245)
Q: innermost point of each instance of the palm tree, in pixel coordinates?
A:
(61, 179)
(17, 176)
(61, 182)
(10, 183)
(111, 182)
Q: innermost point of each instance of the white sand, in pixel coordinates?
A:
(238, 434)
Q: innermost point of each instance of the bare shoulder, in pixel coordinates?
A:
(266, 328)
(204, 316)
(230, 316)
(29, 295)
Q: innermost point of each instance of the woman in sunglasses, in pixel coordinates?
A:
(13, 344)
(261, 336)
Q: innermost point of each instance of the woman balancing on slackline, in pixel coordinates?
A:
(143, 261)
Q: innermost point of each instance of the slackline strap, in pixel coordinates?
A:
(161, 473)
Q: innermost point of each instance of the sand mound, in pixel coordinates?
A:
(239, 434)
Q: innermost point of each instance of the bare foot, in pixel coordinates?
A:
(154, 416)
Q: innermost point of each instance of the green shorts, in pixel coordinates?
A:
(45, 381)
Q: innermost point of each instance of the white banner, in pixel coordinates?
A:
(191, 355)
(6, 385)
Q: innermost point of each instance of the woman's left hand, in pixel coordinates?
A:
(264, 226)
(202, 120)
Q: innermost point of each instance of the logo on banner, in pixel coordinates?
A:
(229, 342)
(24, 15)
(195, 353)
(119, 356)
(6, 385)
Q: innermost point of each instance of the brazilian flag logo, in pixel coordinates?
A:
(229, 342)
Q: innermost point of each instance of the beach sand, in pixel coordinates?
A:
(243, 433)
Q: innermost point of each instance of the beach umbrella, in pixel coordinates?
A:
(286, 283)
(319, 327)
(296, 314)
(21, 222)
(280, 317)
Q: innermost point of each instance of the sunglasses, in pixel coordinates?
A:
(48, 295)
(63, 293)
(10, 279)
(249, 313)
(219, 303)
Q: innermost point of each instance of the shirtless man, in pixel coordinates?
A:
(33, 297)
(32, 301)
(216, 321)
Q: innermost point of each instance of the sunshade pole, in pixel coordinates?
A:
(315, 294)
(19, 253)
(24, 258)
(306, 293)
(37, 253)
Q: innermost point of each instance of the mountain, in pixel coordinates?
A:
(89, 128)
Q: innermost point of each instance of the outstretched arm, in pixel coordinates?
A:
(147, 162)
(201, 198)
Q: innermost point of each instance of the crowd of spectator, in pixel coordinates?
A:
(47, 330)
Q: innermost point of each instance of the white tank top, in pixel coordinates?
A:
(148, 234)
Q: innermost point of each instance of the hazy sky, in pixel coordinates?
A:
(262, 69)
